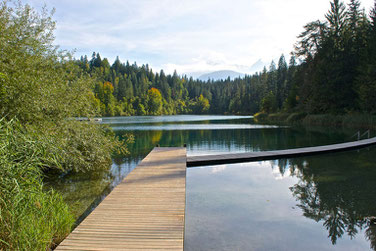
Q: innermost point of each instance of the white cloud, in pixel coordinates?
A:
(187, 35)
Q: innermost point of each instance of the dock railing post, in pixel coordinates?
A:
(368, 133)
(356, 134)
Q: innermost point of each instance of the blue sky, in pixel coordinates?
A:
(191, 36)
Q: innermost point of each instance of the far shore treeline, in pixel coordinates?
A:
(332, 70)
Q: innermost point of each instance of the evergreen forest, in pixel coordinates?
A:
(331, 71)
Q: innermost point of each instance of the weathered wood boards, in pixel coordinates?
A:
(257, 156)
(144, 212)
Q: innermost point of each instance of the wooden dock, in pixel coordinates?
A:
(144, 212)
(207, 160)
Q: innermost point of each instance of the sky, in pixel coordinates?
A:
(190, 36)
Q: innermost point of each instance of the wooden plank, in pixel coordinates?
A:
(144, 212)
(206, 160)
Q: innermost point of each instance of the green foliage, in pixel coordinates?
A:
(367, 88)
(269, 103)
(278, 117)
(273, 118)
(201, 105)
(181, 95)
(337, 69)
(349, 120)
(356, 120)
(260, 116)
(39, 80)
(138, 91)
(141, 110)
(43, 88)
(30, 218)
(296, 117)
(80, 146)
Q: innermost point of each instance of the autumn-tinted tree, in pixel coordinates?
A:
(154, 102)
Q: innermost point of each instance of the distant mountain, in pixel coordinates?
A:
(218, 75)
(257, 67)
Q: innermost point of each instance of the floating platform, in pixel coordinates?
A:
(208, 160)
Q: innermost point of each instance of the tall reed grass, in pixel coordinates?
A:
(30, 218)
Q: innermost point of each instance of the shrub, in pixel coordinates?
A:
(296, 117)
(260, 117)
(278, 117)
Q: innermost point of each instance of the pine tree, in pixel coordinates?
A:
(122, 89)
(366, 81)
(337, 22)
(372, 32)
(116, 65)
(311, 40)
(354, 15)
(281, 92)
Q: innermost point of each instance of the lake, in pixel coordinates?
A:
(323, 202)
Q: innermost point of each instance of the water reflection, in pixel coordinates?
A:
(80, 190)
(182, 127)
(171, 119)
(84, 191)
(338, 191)
(371, 235)
(240, 140)
(321, 202)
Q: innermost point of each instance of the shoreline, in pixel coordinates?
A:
(356, 120)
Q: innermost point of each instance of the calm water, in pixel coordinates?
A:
(314, 203)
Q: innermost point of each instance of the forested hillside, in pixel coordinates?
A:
(331, 70)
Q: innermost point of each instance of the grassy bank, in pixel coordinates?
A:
(360, 121)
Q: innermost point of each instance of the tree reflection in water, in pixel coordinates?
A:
(337, 190)
(371, 235)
